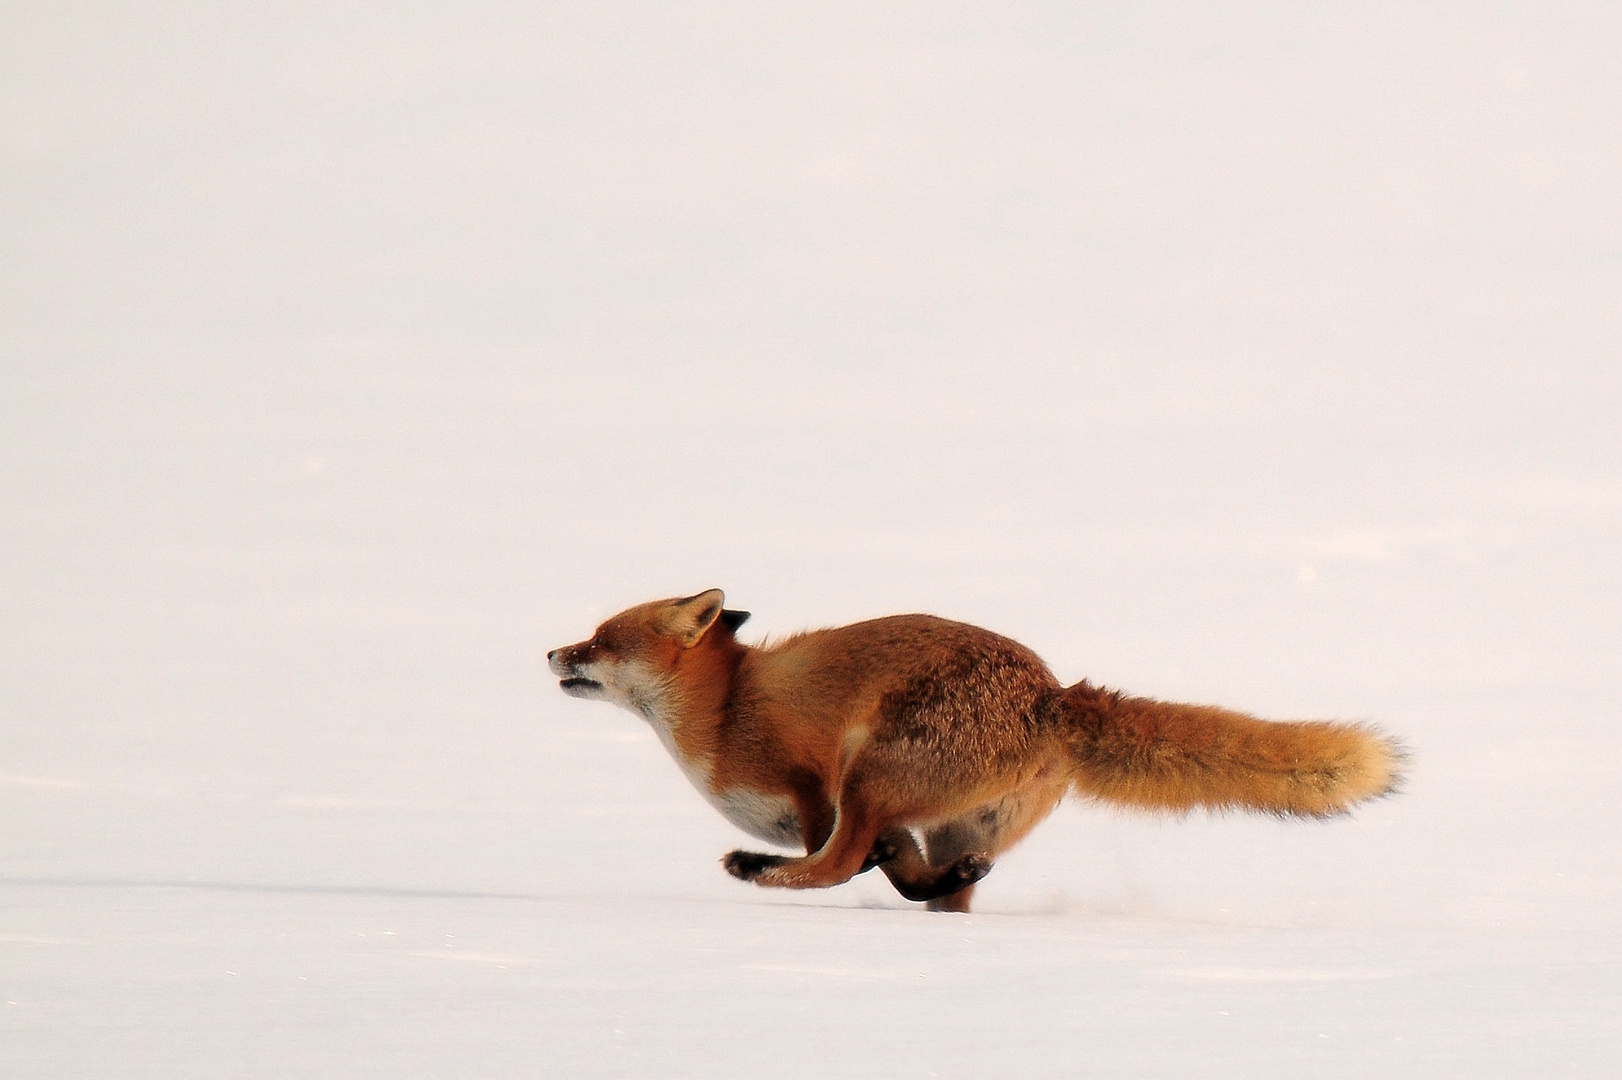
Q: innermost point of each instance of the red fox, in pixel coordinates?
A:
(926, 747)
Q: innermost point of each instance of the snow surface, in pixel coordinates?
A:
(353, 357)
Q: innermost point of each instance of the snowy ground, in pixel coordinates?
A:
(348, 362)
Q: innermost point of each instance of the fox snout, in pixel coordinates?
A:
(566, 664)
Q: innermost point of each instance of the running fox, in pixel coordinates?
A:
(859, 742)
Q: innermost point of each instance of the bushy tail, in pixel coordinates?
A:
(1159, 755)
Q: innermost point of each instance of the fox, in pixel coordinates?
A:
(926, 748)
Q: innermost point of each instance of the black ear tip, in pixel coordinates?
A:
(733, 619)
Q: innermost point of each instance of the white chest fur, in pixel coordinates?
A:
(768, 817)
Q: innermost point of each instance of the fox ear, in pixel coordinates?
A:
(733, 619)
(688, 618)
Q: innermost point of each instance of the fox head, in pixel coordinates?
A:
(630, 658)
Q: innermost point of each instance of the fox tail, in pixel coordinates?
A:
(1158, 755)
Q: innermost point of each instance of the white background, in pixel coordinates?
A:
(350, 358)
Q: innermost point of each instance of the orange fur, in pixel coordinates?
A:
(859, 742)
(1159, 755)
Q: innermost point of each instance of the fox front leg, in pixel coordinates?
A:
(816, 816)
(839, 860)
(866, 833)
(748, 865)
(834, 863)
(897, 855)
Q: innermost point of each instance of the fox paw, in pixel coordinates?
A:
(749, 865)
(963, 873)
(953, 879)
(882, 852)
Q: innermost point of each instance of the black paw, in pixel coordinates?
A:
(963, 873)
(748, 865)
(882, 853)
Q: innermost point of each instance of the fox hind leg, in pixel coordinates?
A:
(913, 875)
(982, 834)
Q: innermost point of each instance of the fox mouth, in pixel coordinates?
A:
(579, 686)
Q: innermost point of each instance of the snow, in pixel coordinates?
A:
(350, 360)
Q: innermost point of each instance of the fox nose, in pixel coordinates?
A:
(551, 654)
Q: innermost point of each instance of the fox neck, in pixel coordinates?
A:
(686, 706)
